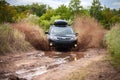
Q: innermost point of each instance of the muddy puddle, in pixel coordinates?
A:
(28, 74)
(39, 63)
(68, 56)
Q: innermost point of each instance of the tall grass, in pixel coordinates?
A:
(34, 34)
(11, 40)
(90, 32)
(113, 44)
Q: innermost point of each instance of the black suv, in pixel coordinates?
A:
(61, 35)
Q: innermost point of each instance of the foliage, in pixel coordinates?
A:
(33, 19)
(109, 17)
(11, 40)
(64, 12)
(24, 11)
(46, 23)
(84, 12)
(95, 9)
(38, 9)
(48, 15)
(35, 8)
(6, 12)
(75, 6)
(113, 43)
(106, 16)
(20, 16)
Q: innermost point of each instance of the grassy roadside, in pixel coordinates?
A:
(21, 37)
(113, 44)
(12, 40)
(98, 70)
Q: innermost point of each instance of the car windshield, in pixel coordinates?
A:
(61, 30)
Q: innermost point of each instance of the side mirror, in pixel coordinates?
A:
(76, 34)
(46, 32)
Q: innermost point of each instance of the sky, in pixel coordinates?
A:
(56, 3)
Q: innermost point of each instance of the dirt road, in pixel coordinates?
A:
(39, 65)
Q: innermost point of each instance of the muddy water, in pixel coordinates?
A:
(58, 59)
(39, 63)
(68, 56)
(28, 74)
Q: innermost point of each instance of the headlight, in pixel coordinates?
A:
(74, 38)
(53, 37)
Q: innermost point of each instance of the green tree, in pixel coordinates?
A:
(75, 6)
(37, 9)
(84, 12)
(7, 12)
(22, 15)
(49, 13)
(21, 8)
(63, 11)
(109, 17)
(3, 3)
(95, 9)
(45, 19)
(106, 16)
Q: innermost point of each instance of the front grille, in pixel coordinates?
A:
(67, 38)
(63, 38)
(60, 38)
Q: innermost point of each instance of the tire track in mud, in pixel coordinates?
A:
(38, 63)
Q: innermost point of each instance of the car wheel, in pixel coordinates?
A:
(51, 48)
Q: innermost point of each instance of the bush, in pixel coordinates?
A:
(113, 44)
(33, 19)
(90, 32)
(11, 40)
(46, 23)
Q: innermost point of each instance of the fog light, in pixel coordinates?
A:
(75, 45)
(51, 44)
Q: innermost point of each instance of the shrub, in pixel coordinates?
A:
(33, 19)
(46, 23)
(34, 34)
(11, 40)
(90, 32)
(113, 44)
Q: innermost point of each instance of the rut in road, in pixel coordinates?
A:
(38, 63)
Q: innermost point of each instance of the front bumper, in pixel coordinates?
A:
(63, 43)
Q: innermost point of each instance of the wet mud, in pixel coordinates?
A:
(28, 65)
